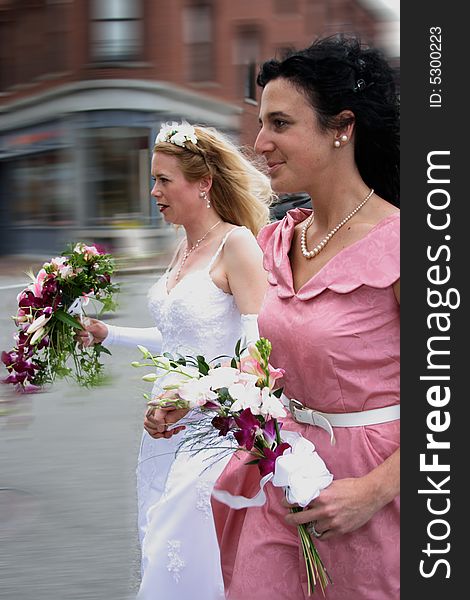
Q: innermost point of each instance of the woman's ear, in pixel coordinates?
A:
(205, 184)
(345, 122)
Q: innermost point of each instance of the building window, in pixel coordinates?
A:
(32, 41)
(198, 39)
(246, 57)
(117, 180)
(116, 30)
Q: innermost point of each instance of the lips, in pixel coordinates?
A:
(162, 207)
(274, 166)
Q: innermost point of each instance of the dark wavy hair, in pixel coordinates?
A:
(339, 73)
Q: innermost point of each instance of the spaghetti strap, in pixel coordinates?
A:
(175, 255)
(219, 249)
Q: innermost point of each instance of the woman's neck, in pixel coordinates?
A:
(196, 232)
(332, 202)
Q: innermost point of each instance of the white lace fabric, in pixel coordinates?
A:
(179, 546)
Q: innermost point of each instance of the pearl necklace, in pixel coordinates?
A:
(193, 248)
(319, 247)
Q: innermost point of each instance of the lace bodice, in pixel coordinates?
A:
(196, 316)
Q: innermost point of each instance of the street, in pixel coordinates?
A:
(67, 473)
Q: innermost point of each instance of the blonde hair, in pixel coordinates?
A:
(241, 193)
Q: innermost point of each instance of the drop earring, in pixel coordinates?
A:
(206, 199)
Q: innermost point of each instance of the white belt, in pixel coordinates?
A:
(327, 421)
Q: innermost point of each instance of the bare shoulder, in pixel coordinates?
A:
(241, 239)
(239, 232)
(242, 250)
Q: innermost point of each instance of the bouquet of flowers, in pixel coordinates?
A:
(240, 399)
(50, 310)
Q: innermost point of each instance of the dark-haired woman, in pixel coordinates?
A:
(329, 127)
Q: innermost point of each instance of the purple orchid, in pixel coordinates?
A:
(24, 366)
(266, 465)
(223, 424)
(9, 358)
(249, 427)
(44, 343)
(269, 431)
(29, 300)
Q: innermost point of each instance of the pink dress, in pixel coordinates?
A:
(338, 340)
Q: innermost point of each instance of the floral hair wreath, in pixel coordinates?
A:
(177, 133)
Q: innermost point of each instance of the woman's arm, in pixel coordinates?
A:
(150, 337)
(243, 264)
(96, 332)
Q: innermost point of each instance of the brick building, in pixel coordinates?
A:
(84, 85)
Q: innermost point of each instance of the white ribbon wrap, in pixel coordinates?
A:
(300, 471)
(76, 308)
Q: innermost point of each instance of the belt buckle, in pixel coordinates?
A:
(295, 405)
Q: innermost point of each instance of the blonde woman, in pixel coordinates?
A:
(207, 299)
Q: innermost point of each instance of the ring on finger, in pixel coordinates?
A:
(312, 530)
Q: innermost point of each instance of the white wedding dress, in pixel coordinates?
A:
(180, 554)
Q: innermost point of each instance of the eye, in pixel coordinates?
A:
(279, 123)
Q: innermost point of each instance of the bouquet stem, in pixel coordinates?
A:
(316, 571)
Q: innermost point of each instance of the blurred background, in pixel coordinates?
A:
(85, 84)
(84, 87)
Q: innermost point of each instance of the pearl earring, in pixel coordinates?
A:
(344, 138)
(206, 198)
(337, 144)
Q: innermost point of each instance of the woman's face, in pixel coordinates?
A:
(177, 198)
(296, 149)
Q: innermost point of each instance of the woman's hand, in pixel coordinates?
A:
(157, 420)
(93, 332)
(347, 504)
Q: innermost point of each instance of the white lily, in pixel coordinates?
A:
(37, 336)
(197, 392)
(223, 377)
(38, 323)
(271, 406)
(246, 396)
(174, 380)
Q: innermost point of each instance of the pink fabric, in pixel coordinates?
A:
(338, 339)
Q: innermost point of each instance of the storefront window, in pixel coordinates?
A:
(42, 188)
(117, 177)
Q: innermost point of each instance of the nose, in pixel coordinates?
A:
(155, 192)
(262, 143)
